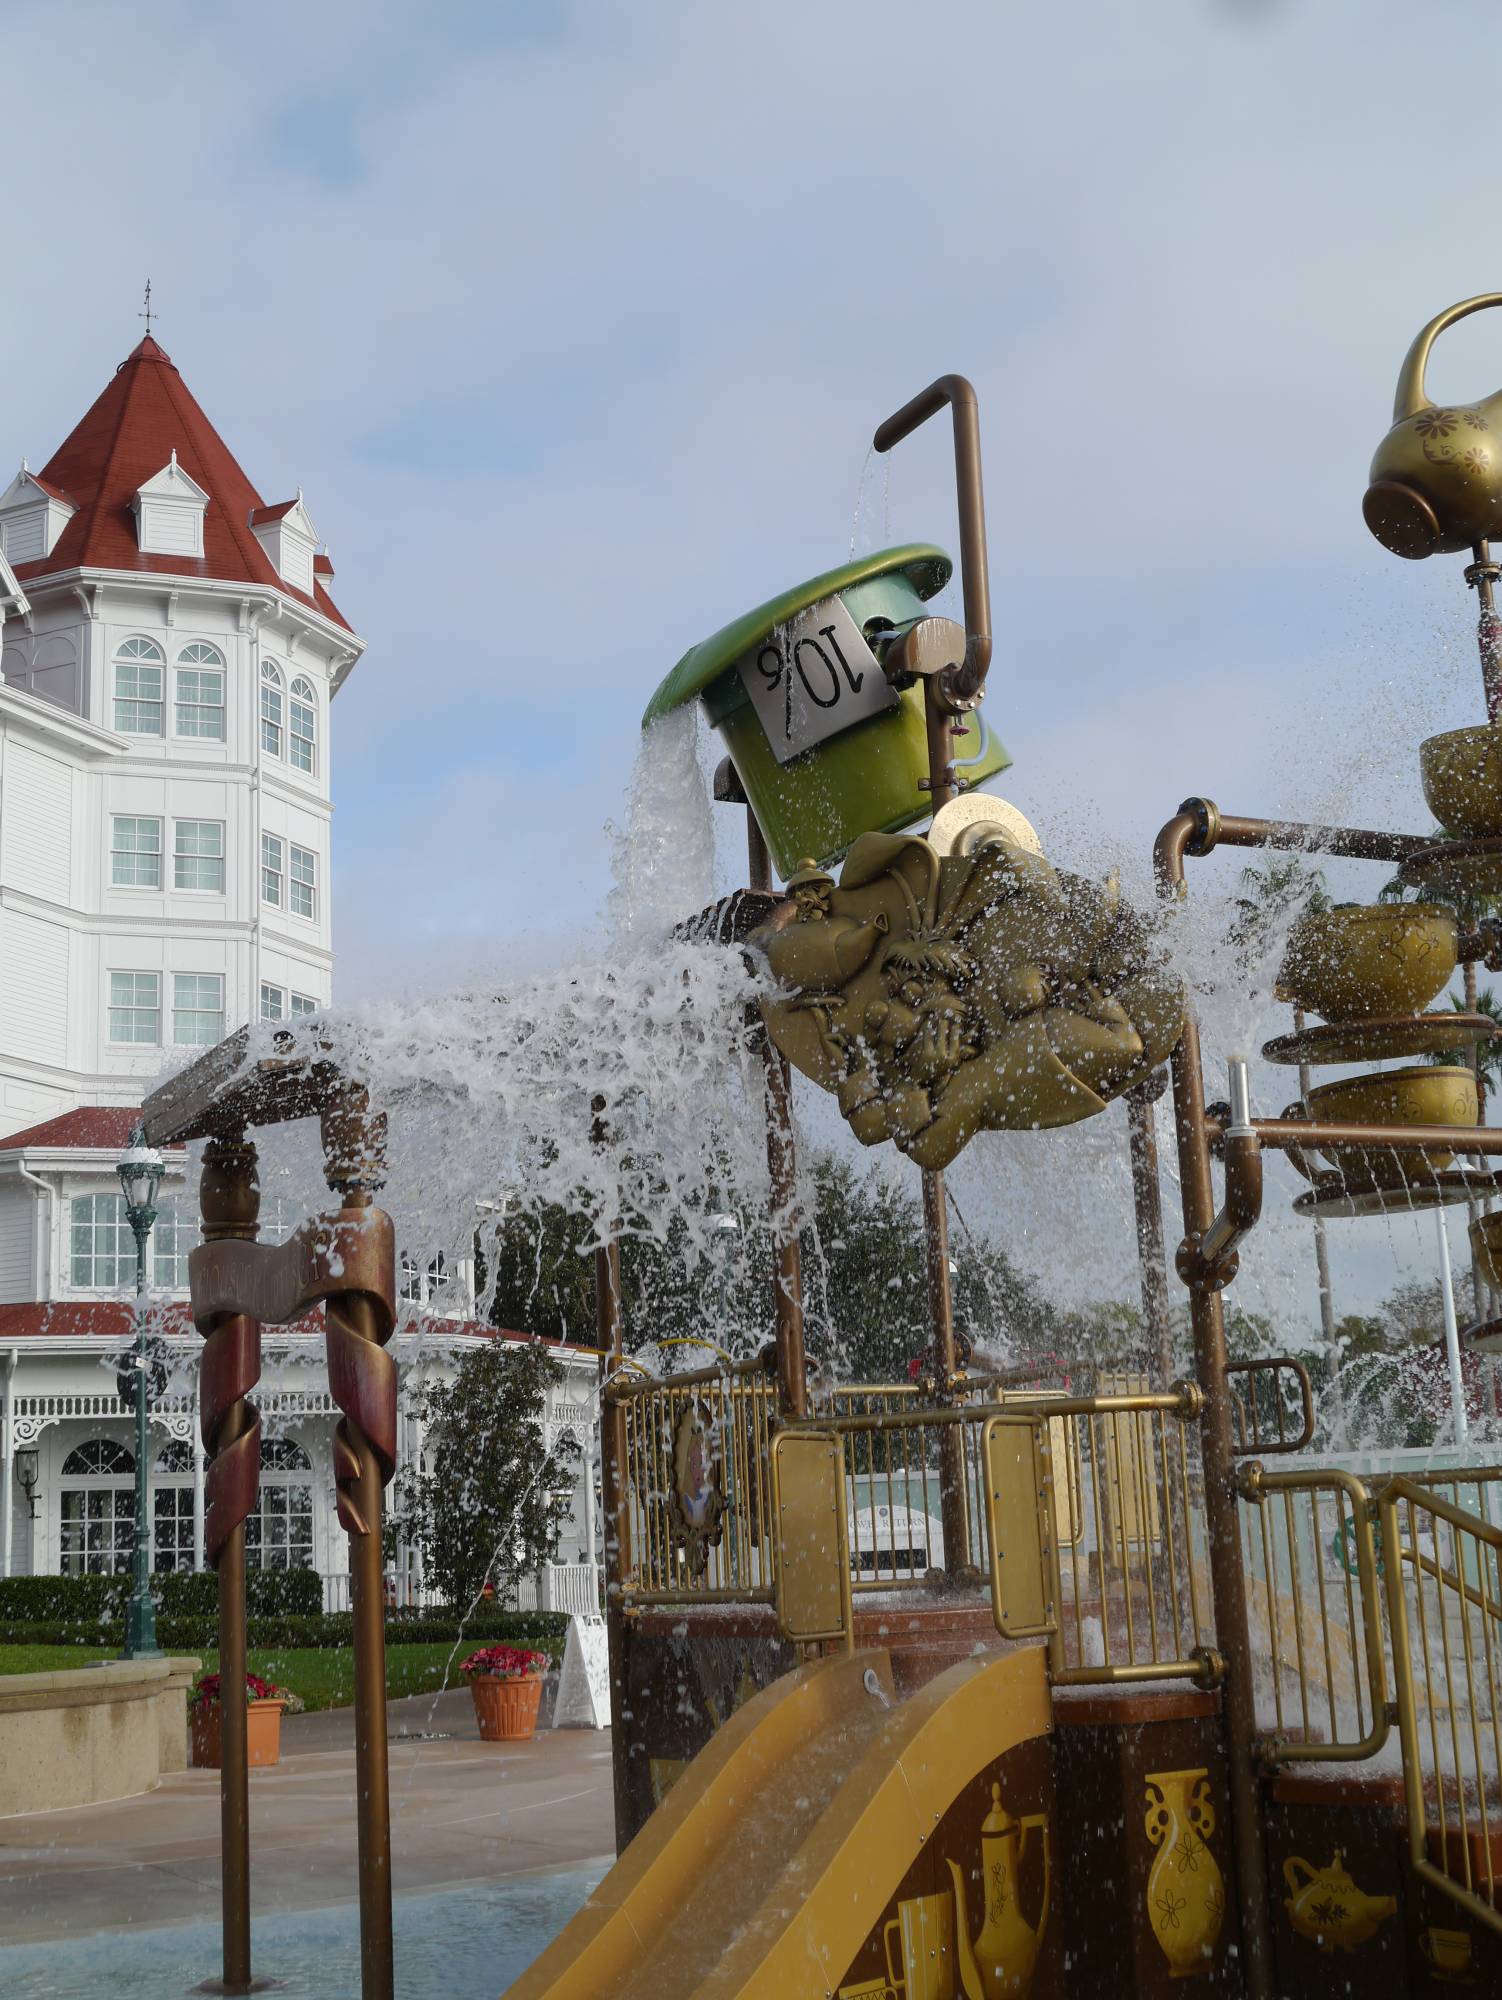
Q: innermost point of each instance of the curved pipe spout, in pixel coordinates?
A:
(960, 686)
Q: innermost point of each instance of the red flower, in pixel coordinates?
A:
(504, 1663)
(206, 1690)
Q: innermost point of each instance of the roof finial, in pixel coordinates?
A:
(147, 314)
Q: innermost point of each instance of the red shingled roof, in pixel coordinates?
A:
(261, 515)
(146, 413)
(100, 1125)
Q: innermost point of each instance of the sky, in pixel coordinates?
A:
(573, 321)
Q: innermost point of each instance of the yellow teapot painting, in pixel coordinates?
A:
(1327, 1908)
(1001, 1959)
(1436, 481)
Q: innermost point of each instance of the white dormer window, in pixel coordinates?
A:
(290, 541)
(169, 509)
(32, 516)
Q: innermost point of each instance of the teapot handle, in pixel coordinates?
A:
(1411, 396)
(1294, 1885)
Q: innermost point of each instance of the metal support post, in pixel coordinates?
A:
(1147, 1200)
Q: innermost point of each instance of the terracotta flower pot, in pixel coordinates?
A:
(263, 1734)
(506, 1710)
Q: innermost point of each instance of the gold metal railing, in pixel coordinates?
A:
(698, 1484)
(1443, 1578)
(1315, 1611)
(1272, 1405)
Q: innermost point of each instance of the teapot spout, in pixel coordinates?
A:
(1412, 395)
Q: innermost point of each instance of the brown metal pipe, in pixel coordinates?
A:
(964, 683)
(1200, 826)
(787, 1257)
(758, 856)
(1147, 1200)
(941, 1335)
(615, 1504)
(372, 1775)
(1209, 1260)
(1300, 1135)
(234, 1776)
(1227, 1576)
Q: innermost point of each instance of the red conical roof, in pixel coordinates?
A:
(145, 414)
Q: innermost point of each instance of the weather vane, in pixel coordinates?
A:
(147, 314)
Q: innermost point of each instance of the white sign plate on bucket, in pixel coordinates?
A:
(583, 1699)
(812, 678)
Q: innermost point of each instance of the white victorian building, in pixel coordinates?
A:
(171, 654)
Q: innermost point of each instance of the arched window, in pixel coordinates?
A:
(302, 734)
(172, 1506)
(140, 668)
(279, 1534)
(271, 708)
(98, 1509)
(200, 692)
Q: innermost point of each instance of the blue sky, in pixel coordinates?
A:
(573, 321)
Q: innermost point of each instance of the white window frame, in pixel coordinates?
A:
(273, 710)
(197, 660)
(105, 1269)
(302, 888)
(273, 870)
(128, 854)
(132, 656)
(172, 1528)
(302, 742)
(302, 1003)
(134, 1006)
(189, 860)
(120, 1486)
(273, 995)
(196, 1015)
(281, 1484)
(174, 1234)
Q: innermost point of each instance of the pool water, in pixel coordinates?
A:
(451, 1944)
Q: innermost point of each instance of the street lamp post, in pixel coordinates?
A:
(140, 1170)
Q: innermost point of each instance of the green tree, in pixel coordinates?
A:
(490, 1503)
(1273, 892)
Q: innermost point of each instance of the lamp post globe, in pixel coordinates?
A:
(140, 1170)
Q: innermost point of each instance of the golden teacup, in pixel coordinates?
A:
(1361, 961)
(1421, 1095)
(1446, 1950)
(1462, 778)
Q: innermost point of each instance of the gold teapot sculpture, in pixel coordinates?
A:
(1436, 481)
(1327, 1908)
(1001, 1959)
(940, 994)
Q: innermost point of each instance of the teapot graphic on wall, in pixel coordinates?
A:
(1326, 1906)
(1000, 1960)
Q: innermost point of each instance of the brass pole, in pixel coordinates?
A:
(229, 1203)
(945, 1364)
(368, 1604)
(615, 1501)
(787, 1256)
(1147, 1199)
(1322, 1253)
(1217, 1448)
(1483, 572)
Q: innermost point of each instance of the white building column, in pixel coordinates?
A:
(7, 1463)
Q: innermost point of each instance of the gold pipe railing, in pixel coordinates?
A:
(1444, 1586)
(1315, 1611)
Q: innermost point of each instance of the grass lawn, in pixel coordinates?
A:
(324, 1676)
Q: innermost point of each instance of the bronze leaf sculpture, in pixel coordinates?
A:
(941, 995)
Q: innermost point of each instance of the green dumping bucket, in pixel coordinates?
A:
(824, 747)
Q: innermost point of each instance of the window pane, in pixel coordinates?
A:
(271, 710)
(198, 855)
(303, 892)
(272, 869)
(138, 691)
(200, 696)
(304, 1003)
(135, 1009)
(198, 1007)
(300, 716)
(135, 853)
(272, 1002)
(102, 1253)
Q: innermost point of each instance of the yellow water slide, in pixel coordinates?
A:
(768, 1865)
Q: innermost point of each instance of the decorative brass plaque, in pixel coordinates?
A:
(943, 995)
(1018, 1498)
(813, 1559)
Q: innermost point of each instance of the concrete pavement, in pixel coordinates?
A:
(461, 1811)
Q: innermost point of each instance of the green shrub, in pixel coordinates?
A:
(544, 1630)
(89, 1601)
